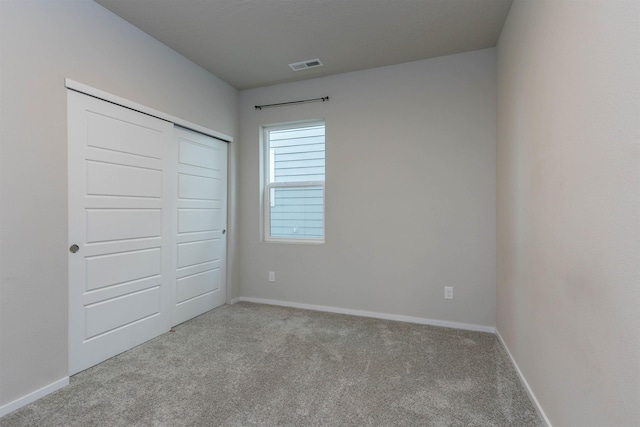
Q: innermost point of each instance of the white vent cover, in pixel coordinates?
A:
(311, 63)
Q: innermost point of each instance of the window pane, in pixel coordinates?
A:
(298, 154)
(297, 212)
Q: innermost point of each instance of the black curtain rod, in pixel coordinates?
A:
(304, 101)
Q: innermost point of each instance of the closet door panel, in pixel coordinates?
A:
(120, 199)
(200, 224)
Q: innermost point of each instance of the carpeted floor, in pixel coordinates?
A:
(258, 365)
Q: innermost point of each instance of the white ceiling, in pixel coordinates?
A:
(249, 43)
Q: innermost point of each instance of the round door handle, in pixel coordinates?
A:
(74, 248)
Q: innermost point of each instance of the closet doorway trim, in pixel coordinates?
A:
(114, 99)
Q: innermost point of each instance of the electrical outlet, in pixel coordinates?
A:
(448, 292)
(272, 276)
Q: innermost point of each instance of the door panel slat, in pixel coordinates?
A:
(119, 135)
(107, 179)
(120, 224)
(100, 316)
(199, 187)
(197, 284)
(110, 269)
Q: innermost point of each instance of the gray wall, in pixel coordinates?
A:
(410, 191)
(568, 207)
(42, 42)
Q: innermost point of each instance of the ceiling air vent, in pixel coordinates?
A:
(311, 63)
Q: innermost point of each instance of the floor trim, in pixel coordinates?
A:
(375, 315)
(532, 396)
(33, 396)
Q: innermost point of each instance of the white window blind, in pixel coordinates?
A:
(294, 176)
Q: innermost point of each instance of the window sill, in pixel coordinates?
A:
(295, 241)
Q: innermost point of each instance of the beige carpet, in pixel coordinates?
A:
(259, 365)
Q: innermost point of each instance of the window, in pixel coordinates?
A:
(294, 183)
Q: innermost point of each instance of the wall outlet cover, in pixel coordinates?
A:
(448, 292)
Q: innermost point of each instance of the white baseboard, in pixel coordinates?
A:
(532, 396)
(375, 315)
(33, 396)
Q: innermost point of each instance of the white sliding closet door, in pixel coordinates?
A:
(121, 178)
(200, 225)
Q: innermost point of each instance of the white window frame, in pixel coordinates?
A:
(268, 186)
